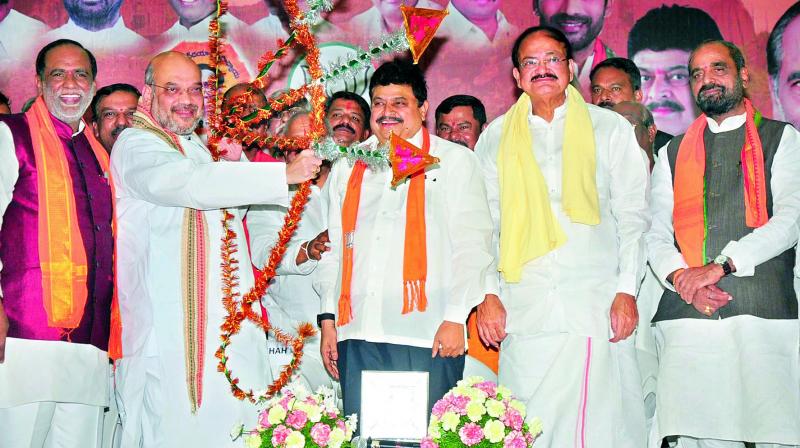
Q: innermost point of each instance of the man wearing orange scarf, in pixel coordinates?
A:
(56, 249)
(407, 263)
(726, 204)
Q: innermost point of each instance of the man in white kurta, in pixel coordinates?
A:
(565, 321)
(728, 365)
(373, 330)
(155, 185)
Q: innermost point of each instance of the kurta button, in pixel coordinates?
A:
(97, 227)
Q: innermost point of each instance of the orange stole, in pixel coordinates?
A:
(689, 214)
(475, 348)
(62, 256)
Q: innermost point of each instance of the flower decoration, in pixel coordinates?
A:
(479, 413)
(298, 419)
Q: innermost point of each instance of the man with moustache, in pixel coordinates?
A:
(461, 119)
(56, 252)
(618, 79)
(112, 112)
(725, 207)
(477, 25)
(169, 210)
(407, 263)
(347, 117)
(783, 65)
(659, 44)
(98, 25)
(581, 21)
(567, 186)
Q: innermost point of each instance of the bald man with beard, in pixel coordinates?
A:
(169, 209)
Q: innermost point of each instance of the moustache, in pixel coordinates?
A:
(184, 107)
(711, 86)
(543, 75)
(460, 142)
(561, 18)
(666, 103)
(606, 104)
(384, 119)
(118, 130)
(346, 127)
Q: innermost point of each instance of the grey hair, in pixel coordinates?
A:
(297, 114)
(149, 74)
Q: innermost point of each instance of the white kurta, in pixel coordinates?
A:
(154, 184)
(558, 314)
(20, 36)
(291, 299)
(115, 39)
(458, 231)
(744, 381)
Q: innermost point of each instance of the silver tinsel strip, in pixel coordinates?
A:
(315, 8)
(377, 158)
(390, 43)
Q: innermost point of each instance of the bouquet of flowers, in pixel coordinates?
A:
(478, 413)
(296, 418)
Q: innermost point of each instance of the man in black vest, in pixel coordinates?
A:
(725, 204)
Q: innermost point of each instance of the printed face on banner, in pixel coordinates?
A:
(786, 86)
(93, 15)
(665, 88)
(391, 8)
(580, 20)
(611, 85)
(477, 10)
(193, 11)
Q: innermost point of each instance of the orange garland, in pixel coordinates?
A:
(234, 125)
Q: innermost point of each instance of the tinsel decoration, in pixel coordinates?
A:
(390, 43)
(377, 159)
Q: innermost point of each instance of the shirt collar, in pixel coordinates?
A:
(459, 21)
(728, 124)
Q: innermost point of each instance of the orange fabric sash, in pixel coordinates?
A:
(689, 209)
(415, 260)
(62, 257)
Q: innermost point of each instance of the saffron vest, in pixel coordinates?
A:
(21, 277)
(769, 293)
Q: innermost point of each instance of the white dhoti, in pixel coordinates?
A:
(52, 394)
(583, 389)
(735, 379)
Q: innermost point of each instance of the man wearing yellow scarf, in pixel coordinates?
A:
(567, 186)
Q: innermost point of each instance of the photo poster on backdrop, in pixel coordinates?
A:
(469, 55)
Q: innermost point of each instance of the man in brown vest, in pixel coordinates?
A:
(725, 204)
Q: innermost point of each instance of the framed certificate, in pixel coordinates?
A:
(394, 405)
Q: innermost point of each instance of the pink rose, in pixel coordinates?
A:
(471, 434)
(514, 439)
(320, 433)
(440, 408)
(279, 435)
(428, 443)
(459, 403)
(488, 387)
(263, 420)
(512, 419)
(341, 425)
(296, 419)
(285, 402)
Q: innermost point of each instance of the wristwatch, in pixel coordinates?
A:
(324, 316)
(723, 261)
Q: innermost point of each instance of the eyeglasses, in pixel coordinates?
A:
(530, 63)
(175, 91)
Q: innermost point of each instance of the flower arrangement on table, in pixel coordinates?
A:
(481, 414)
(296, 418)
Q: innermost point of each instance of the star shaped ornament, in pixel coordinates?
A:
(407, 160)
(421, 25)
